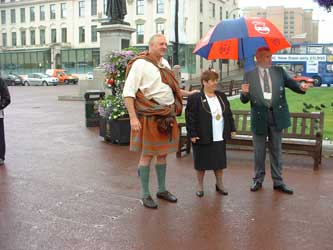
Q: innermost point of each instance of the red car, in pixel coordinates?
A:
(299, 78)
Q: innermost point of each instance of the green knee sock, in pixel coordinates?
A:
(160, 172)
(144, 177)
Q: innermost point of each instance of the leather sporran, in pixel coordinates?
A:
(165, 124)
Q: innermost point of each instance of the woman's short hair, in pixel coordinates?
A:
(208, 75)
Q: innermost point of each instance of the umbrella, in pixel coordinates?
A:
(239, 39)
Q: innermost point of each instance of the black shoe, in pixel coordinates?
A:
(166, 195)
(200, 193)
(284, 189)
(256, 186)
(148, 202)
(221, 191)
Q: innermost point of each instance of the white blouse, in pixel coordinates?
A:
(217, 117)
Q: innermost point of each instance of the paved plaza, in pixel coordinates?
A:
(64, 188)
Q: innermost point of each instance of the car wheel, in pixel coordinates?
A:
(44, 83)
(26, 83)
(66, 82)
(317, 81)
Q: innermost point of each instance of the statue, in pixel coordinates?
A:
(116, 11)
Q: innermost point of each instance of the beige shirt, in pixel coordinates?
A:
(146, 77)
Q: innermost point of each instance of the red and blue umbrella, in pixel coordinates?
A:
(239, 39)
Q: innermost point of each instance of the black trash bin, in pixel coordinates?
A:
(92, 117)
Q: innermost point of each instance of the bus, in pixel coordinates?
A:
(313, 60)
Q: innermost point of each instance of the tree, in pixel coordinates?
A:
(326, 4)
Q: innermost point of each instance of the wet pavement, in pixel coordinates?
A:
(64, 188)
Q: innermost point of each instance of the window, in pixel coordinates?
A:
(4, 39)
(63, 10)
(139, 33)
(32, 37)
(81, 8)
(315, 50)
(221, 13)
(23, 38)
(201, 7)
(140, 6)
(160, 28)
(22, 15)
(52, 11)
(32, 14)
(14, 40)
(53, 35)
(82, 34)
(212, 9)
(160, 6)
(64, 35)
(3, 17)
(93, 7)
(13, 17)
(42, 12)
(42, 37)
(94, 33)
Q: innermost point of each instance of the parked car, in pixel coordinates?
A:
(40, 79)
(62, 76)
(13, 80)
(90, 76)
(299, 78)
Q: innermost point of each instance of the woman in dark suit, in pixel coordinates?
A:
(209, 123)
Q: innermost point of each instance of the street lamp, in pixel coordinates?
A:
(228, 14)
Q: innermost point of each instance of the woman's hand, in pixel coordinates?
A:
(194, 139)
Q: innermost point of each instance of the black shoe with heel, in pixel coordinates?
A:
(200, 193)
(221, 191)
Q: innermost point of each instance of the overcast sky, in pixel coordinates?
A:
(319, 13)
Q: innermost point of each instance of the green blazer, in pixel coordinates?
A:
(259, 112)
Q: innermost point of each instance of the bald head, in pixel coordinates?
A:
(158, 45)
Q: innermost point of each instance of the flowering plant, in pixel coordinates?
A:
(113, 107)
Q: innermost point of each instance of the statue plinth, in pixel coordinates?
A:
(114, 37)
(115, 21)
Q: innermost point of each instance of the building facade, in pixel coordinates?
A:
(39, 34)
(296, 24)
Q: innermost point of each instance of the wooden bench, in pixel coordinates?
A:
(303, 136)
(231, 88)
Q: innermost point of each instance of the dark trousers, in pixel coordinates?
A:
(275, 153)
(2, 140)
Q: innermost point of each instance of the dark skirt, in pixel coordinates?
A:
(210, 156)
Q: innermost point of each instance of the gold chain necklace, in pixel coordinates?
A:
(217, 116)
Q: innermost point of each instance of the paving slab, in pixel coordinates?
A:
(63, 187)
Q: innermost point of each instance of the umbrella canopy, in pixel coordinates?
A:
(239, 39)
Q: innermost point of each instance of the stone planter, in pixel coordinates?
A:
(115, 131)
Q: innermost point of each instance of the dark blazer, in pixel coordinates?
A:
(259, 111)
(199, 121)
(4, 94)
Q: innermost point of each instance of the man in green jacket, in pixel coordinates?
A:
(264, 87)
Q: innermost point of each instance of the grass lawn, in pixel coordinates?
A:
(314, 96)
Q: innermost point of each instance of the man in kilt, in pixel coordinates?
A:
(153, 99)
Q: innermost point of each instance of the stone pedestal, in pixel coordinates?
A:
(114, 37)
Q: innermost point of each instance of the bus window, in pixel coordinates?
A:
(299, 50)
(315, 50)
(329, 50)
(329, 68)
